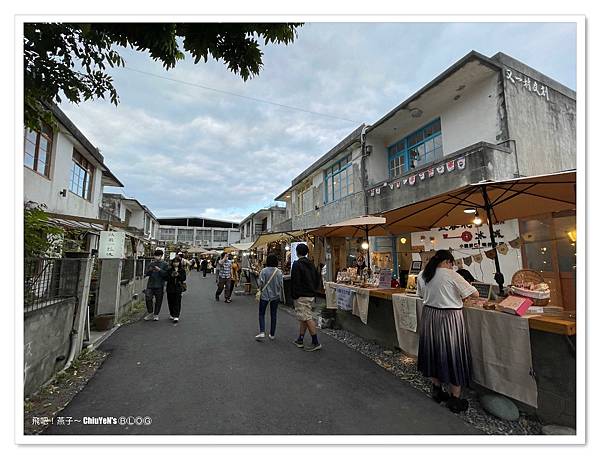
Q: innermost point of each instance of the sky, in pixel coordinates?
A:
(186, 151)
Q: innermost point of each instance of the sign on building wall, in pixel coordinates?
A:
(527, 83)
(112, 244)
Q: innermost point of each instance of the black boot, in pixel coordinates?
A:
(438, 394)
(457, 405)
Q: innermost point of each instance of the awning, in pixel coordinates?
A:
(507, 199)
(267, 238)
(196, 250)
(352, 228)
(242, 246)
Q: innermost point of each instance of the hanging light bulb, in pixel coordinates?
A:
(364, 245)
(403, 240)
(477, 219)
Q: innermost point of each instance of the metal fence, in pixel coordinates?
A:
(127, 269)
(48, 281)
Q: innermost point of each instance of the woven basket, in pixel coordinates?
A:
(526, 276)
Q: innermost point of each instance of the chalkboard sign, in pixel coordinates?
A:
(485, 290)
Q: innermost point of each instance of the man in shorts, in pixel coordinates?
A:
(305, 283)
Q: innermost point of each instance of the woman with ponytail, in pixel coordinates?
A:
(444, 354)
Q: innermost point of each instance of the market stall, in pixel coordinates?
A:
(529, 356)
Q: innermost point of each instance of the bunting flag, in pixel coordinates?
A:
(377, 190)
(468, 260)
(431, 172)
(491, 254)
(422, 175)
(412, 179)
(461, 163)
(502, 248)
(391, 186)
(459, 264)
(478, 258)
(398, 184)
(440, 169)
(516, 243)
(404, 181)
(450, 165)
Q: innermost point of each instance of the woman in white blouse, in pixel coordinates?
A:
(444, 354)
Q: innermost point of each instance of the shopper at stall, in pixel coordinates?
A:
(204, 266)
(175, 286)
(157, 275)
(225, 281)
(235, 271)
(305, 282)
(444, 354)
(270, 284)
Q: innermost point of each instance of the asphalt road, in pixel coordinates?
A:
(207, 375)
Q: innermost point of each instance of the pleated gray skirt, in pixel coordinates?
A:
(444, 346)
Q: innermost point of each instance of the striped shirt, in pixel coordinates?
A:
(225, 269)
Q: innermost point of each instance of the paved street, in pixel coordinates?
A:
(207, 375)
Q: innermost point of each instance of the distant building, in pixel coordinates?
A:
(130, 212)
(208, 233)
(271, 219)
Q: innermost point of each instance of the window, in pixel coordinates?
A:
(167, 234)
(38, 148)
(127, 217)
(185, 235)
(221, 236)
(203, 236)
(339, 180)
(417, 149)
(81, 176)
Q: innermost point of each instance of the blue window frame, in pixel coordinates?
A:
(339, 181)
(416, 149)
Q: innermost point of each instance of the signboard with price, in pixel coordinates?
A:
(112, 244)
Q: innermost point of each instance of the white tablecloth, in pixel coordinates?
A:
(360, 301)
(500, 347)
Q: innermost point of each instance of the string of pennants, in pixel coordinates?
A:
(501, 248)
(411, 180)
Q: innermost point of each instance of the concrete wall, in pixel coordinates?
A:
(44, 190)
(130, 292)
(46, 339)
(476, 116)
(336, 211)
(544, 128)
(483, 162)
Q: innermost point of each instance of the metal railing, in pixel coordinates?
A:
(49, 281)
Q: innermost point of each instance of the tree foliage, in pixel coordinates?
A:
(41, 237)
(73, 59)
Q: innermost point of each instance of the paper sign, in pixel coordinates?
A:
(385, 278)
(344, 297)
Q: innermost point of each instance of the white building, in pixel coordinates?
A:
(207, 233)
(64, 171)
(130, 212)
(267, 220)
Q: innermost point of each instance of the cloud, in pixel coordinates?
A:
(184, 150)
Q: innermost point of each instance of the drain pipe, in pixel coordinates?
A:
(71, 358)
(363, 172)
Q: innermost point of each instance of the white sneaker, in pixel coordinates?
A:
(148, 316)
(260, 337)
(171, 317)
(271, 337)
(155, 318)
(176, 319)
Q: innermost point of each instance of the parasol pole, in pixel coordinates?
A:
(498, 276)
(368, 248)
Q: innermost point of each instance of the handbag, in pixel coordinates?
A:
(259, 292)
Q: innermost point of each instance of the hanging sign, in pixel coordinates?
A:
(385, 278)
(450, 165)
(412, 179)
(461, 163)
(111, 245)
(440, 169)
(344, 297)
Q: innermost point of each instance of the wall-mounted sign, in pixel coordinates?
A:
(112, 244)
(527, 83)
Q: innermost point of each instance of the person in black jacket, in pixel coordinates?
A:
(204, 266)
(305, 283)
(175, 279)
